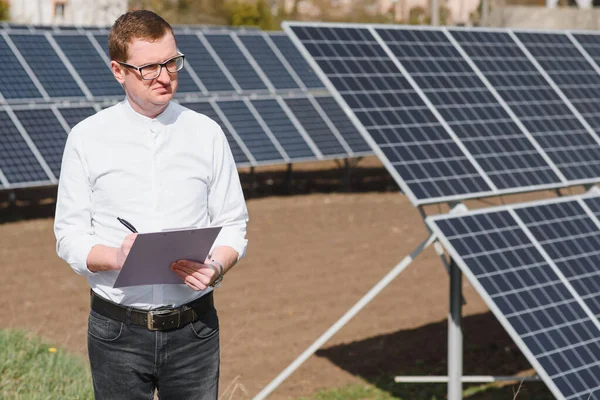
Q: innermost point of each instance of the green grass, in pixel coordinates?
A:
(30, 371)
(387, 390)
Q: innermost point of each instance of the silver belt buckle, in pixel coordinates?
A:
(162, 313)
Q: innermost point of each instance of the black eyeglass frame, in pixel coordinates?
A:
(160, 65)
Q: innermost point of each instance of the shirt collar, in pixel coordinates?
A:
(164, 118)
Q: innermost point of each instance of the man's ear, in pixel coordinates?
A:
(117, 71)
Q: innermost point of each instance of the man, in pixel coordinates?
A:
(157, 165)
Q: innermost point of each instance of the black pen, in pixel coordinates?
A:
(127, 225)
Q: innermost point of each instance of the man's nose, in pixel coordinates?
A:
(164, 76)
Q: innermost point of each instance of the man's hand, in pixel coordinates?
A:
(124, 250)
(105, 258)
(195, 274)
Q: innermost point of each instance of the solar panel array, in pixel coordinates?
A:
(256, 85)
(462, 113)
(535, 265)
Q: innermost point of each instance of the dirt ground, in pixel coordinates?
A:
(311, 256)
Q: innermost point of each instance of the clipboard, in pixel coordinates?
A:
(152, 254)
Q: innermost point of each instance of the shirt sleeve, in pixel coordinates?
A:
(73, 219)
(226, 204)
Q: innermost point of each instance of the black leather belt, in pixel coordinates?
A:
(155, 320)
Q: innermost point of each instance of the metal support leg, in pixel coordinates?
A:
(347, 175)
(252, 182)
(288, 179)
(455, 337)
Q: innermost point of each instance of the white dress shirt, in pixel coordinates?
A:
(173, 171)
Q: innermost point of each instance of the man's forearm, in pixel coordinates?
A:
(102, 258)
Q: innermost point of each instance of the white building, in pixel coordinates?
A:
(66, 12)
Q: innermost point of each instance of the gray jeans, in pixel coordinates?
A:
(129, 361)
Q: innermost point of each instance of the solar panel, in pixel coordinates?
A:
(316, 127)
(75, 115)
(296, 61)
(236, 62)
(204, 65)
(530, 294)
(268, 61)
(17, 161)
(534, 101)
(47, 65)
(283, 129)
(416, 148)
(572, 240)
(249, 130)
(207, 109)
(47, 134)
(343, 124)
(16, 83)
(569, 69)
(488, 132)
(89, 65)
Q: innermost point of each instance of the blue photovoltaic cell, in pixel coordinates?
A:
(594, 204)
(527, 293)
(498, 145)
(17, 162)
(249, 130)
(186, 83)
(411, 138)
(569, 69)
(208, 110)
(297, 61)
(90, 66)
(43, 27)
(73, 116)
(203, 64)
(316, 127)
(345, 127)
(590, 43)
(267, 60)
(283, 129)
(47, 66)
(103, 42)
(16, 84)
(19, 26)
(572, 240)
(47, 134)
(534, 101)
(236, 62)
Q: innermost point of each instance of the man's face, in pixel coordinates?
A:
(154, 94)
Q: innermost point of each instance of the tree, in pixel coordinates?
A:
(4, 10)
(244, 13)
(265, 16)
(417, 16)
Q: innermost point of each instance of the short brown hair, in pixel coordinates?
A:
(139, 24)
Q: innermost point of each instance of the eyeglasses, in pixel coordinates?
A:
(153, 71)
